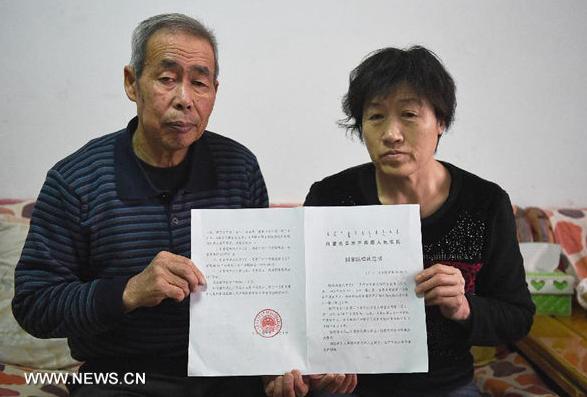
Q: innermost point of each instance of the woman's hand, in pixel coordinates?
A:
(444, 286)
(334, 383)
(290, 384)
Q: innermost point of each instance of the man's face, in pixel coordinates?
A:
(174, 95)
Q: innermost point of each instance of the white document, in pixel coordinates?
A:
(319, 289)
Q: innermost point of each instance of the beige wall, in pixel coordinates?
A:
(519, 67)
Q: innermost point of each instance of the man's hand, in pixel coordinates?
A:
(290, 384)
(444, 286)
(334, 383)
(167, 276)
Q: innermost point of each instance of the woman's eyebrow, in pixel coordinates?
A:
(410, 100)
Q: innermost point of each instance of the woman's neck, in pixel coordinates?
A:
(429, 188)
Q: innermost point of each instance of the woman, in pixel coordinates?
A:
(399, 103)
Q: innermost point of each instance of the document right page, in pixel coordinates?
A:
(363, 315)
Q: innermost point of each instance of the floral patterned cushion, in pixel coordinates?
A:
(539, 224)
(510, 375)
(16, 208)
(13, 383)
(570, 231)
(17, 346)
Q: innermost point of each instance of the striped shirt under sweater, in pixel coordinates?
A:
(97, 222)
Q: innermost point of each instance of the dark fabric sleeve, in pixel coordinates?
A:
(51, 298)
(108, 298)
(258, 190)
(314, 198)
(502, 310)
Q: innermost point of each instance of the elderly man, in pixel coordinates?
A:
(106, 261)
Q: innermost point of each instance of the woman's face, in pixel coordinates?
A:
(401, 132)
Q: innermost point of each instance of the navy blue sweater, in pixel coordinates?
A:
(99, 221)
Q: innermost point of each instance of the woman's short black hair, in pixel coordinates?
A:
(385, 69)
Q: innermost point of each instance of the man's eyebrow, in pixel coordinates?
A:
(171, 64)
(168, 64)
(200, 70)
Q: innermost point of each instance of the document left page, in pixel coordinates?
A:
(250, 319)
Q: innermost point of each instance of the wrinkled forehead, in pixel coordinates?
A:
(180, 41)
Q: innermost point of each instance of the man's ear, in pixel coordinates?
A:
(130, 86)
(216, 84)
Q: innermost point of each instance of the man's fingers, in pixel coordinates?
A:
(185, 268)
(269, 382)
(337, 383)
(167, 276)
(288, 385)
(353, 385)
(334, 383)
(200, 276)
(174, 292)
(300, 387)
(324, 381)
(330, 382)
(347, 386)
(278, 387)
(200, 279)
(177, 282)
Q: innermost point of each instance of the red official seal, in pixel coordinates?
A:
(267, 323)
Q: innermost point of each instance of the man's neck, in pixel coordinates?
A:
(156, 158)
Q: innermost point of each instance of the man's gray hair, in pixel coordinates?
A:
(174, 23)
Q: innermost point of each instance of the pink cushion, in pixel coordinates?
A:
(570, 231)
(11, 208)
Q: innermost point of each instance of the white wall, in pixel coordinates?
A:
(519, 65)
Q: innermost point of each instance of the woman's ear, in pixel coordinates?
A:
(441, 128)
